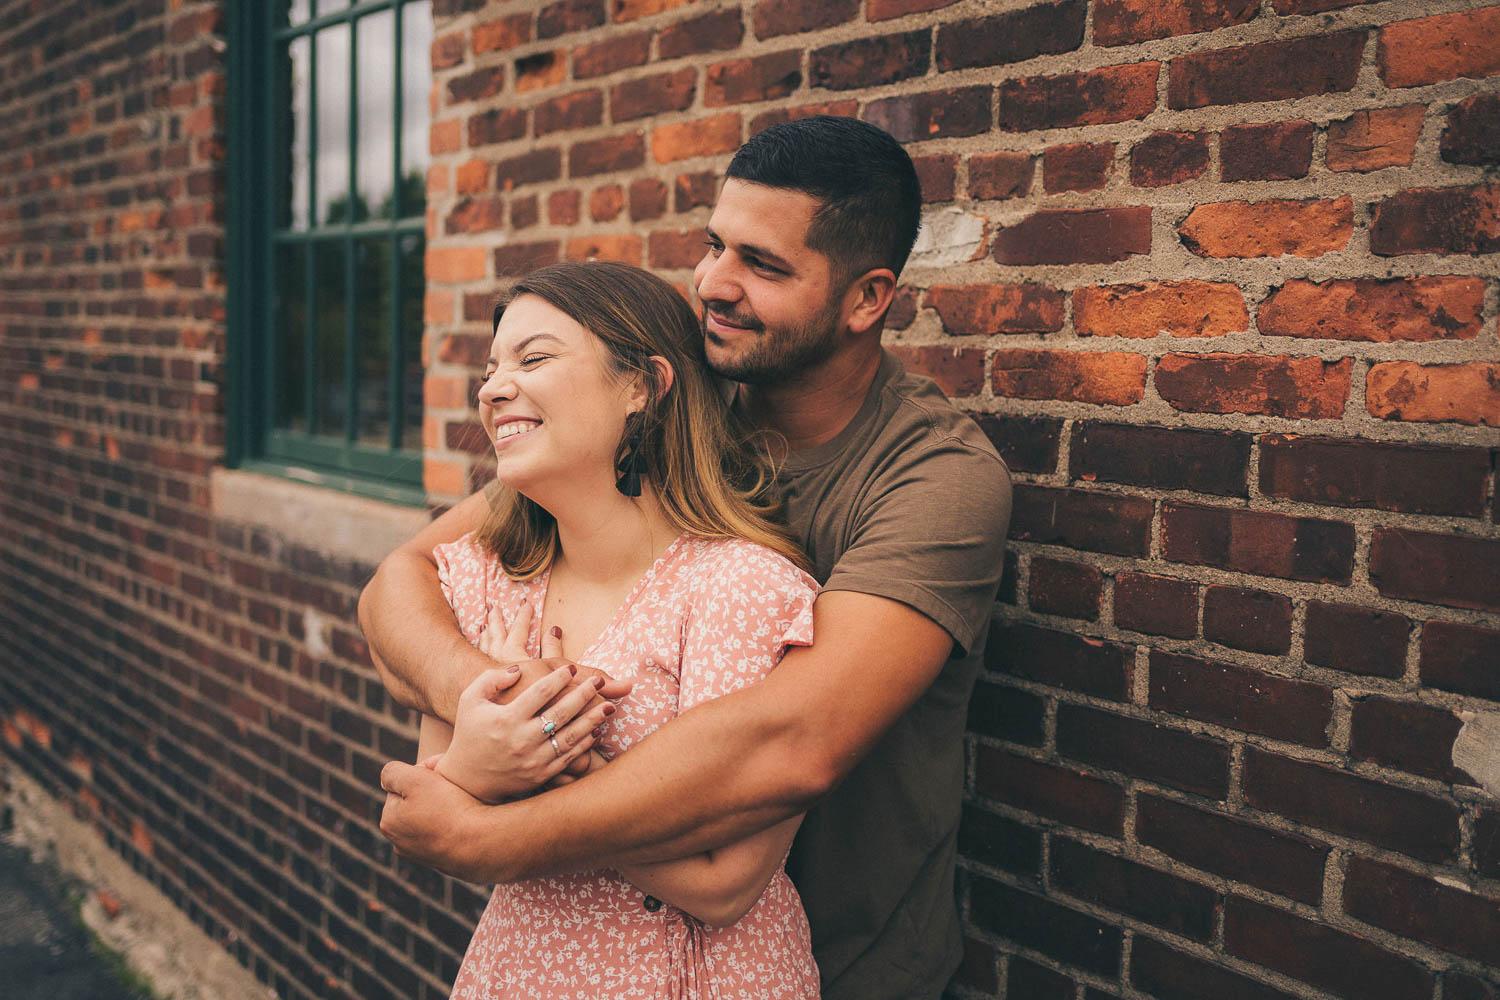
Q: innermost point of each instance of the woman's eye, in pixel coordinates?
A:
(532, 359)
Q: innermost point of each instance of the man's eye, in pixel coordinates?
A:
(761, 265)
(714, 247)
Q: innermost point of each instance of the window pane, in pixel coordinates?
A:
(333, 124)
(291, 12)
(289, 366)
(297, 74)
(332, 396)
(413, 287)
(373, 285)
(375, 38)
(416, 82)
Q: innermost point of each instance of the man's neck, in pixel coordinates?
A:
(819, 404)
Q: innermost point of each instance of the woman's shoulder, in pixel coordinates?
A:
(718, 561)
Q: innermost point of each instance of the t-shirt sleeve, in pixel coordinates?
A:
(463, 574)
(749, 606)
(932, 536)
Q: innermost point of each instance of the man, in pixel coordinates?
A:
(902, 505)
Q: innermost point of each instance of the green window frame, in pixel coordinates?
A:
(327, 228)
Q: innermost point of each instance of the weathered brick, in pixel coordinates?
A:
(563, 207)
(1083, 377)
(653, 95)
(712, 32)
(1139, 891)
(497, 125)
(606, 203)
(1456, 570)
(1159, 605)
(1082, 519)
(1376, 309)
(471, 177)
(1028, 979)
(977, 971)
(1299, 388)
(540, 70)
(1269, 71)
(1164, 158)
(569, 111)
(1097, 97)
(1472, 133)
(1075, 236)
(701, 137)
(1251, 701)
(529, 168)
(1014, 36)
(501, 33)
(1121, 22)
(447, 50)
(1286, 864)
(1169, 974)
(648, 199)
(682, 248)
(1077, 166)
(1461, 658)
(1373, 140)
(1165, 458)
(938, 114)
(600, 156)
(1285, 7)
(1069, 589)
(1462, 393)
(1456, 920)
(1407, 736)
(938, 176)
(520, 258)
(1006, 713)
(565, 16)
(775, 116)
(958, 371)
(611, 55)
(622, 247)
(1259, 542)
(1356, 640)
(1415, 479)
(1142, 749)
(1248, 619)
(1315, 953)
(1275, 151)
(1059, 932)
(1437, 220)
(771, 18)
(692, 191)
(1395, 818)
(761, 78)
(1178, 308)
(1445, 47)
(480, 83)
(985, 310)
(1060, 659)
(452, 265)
(630, 10)
(1027, 444)
(475, 215)
(994, 176)
(1059, 793)
(1269, 228)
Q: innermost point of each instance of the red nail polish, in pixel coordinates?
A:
(572, 670)
(556, 632)
(598, 683)
(609, 710)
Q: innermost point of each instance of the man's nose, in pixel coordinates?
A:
(716, 280)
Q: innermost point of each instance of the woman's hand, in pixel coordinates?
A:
(501, 751)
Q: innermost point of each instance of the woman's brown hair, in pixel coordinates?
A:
(711, 474)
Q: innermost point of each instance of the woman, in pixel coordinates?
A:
(628, 526)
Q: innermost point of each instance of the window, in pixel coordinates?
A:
(328, 172)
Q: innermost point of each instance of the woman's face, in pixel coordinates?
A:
(553, 409)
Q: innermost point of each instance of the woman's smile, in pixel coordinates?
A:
(510, 428)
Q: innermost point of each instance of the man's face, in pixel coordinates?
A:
(770, 310)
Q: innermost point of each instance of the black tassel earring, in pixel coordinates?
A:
(632, 461)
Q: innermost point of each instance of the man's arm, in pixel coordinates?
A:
(714, 775)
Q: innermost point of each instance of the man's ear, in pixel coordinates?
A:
(868, 299)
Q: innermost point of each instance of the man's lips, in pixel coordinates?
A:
(730, 325)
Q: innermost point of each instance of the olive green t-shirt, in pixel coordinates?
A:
(909, 502)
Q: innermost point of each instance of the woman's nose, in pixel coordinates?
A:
(498, 387)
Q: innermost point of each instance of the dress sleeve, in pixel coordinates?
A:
(749, 606)
(463, 575)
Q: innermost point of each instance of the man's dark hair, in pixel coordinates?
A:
(872, 200)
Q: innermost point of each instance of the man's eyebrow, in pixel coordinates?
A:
(527, 343)
(750, 248)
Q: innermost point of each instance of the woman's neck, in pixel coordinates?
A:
(604, 536)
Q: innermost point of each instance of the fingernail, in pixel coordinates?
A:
(609, 710)
(513, 669)
(572, 670)
(598, 683)
(556, 632)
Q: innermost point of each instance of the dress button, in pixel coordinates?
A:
(651, 903)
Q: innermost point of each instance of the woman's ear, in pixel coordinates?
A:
(652, 388)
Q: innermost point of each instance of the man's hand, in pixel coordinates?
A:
(428, 818)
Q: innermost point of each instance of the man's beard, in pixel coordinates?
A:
(778, 354)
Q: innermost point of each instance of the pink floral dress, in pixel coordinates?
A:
(707, 618)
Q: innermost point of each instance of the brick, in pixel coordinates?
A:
(1455, 570)
(772, 18)
(713, 32)
(996, 176)
(977, 970)
(1415, 479)
(1159, 605)
(1064, 588)
(1437, 220)
(529, 168)
(1263, 543)
(630, 10)
(653, 95)
(1028, 979)
(1241, 698)
(1006, 713)
(1375, 309)
(1462, 393)
(1121, 22)
(1082, 519)
(447, 51)
(775, 116)
(938, 114)
(1286, 864)
(1059, 793)
(1269, 228)
(1075, 236)
(884, 10)
(479, 84)
(1136, 890)
(516, 259)
(1275, 151)
(600, 156)
(1060, 659)
(1445, 47)
(502, 33)
(1455, 920)
(1374, 140)
(540, 70)
(1247, 619)
(498, 125)
(762, 78)
(567, 16)
(985, 310)
(1487, 844)
(445, 137)
(1296, 388)
(648, 199)
(702, 137)
(1164, 158)
(1406, 736)
(999, 842)
(696, 190)
(471, 177)
(1170, 459)
(1315, 953)
(958, 371)
(563, 207)
(453, 265)
(475, 215)
(1169, 974)
(1472, 133)
(1461, 658)
(682, 248)
(1011, 37)
(581, 109)
(1097, 97)
(1269, 71)
(611, 55)
(1148, 309)
(1141, 749)
(1394, 818)
(1076, 376)
(1078, 166)
(1027, 444)
(1059, 932)
(625, 248)
(1355, 640)
(606, 203)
